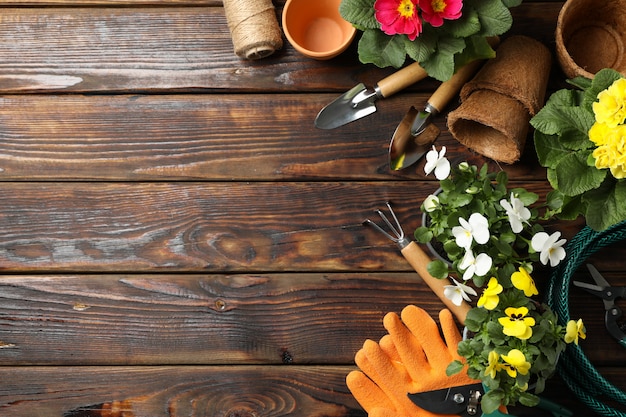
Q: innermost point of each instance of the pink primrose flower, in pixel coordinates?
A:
(398, 17)
(434, 11)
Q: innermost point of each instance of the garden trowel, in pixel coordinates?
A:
(358, 102)
(415, 133)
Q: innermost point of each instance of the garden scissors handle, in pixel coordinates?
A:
(608, 294)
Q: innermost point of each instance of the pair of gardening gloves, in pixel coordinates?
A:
(412, 358)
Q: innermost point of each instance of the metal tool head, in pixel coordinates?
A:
(405, 148)
(354, 104)
(395, 234)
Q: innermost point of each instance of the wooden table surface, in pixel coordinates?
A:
(178, 239)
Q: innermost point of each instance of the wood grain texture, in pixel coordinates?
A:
(290, 318)
(177, 239)
(243, 391)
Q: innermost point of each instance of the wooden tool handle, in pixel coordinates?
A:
(448, 89)
(419, 261)
(401, 79)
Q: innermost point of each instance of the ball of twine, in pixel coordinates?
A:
(253, 27)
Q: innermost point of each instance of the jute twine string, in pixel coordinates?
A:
(253, 27)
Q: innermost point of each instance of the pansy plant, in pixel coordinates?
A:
(492, 236)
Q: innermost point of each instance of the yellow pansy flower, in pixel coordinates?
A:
(516, 323)
(516, 362)
(490, 298)
(574, 331)
(494, 365)
(524, 282)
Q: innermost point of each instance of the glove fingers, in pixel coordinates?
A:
(387, 345)
(391, 377)
(450, 331)
(427, 334)
(407, 346)
(367, 393)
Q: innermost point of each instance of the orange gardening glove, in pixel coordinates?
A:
(412, 358)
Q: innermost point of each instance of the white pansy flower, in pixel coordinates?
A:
(516, 211)
(436, 161)
(458, 292)
(476, 228)
(471, 265)
(550, 248)
(431, 203)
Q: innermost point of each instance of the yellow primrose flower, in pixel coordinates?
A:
(611, 150)
(516, 323)
(524, 282)
(599, 133)
(490, 298)
(516, 362)
(574, 331)
(611, 105)
(494, 365)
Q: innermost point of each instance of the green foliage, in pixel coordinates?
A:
(440, 50)
(563, 147)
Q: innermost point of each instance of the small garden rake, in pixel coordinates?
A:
(419, 260)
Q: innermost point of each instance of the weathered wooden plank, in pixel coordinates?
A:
(204, 227)
(121, 49)
(203, 391)
(176, 391)
(291, 318)
(210, 137)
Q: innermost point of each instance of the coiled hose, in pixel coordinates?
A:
(575, 369)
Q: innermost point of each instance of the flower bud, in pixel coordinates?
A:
(431, 203)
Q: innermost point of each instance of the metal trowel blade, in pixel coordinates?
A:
(406, 149)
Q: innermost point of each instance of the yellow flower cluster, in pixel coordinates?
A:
(517, 323)
(608, 133)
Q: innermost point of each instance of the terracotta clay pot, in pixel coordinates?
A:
(590, 36)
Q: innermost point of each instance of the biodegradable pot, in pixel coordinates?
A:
(590, 36)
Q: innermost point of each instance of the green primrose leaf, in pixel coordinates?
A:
(575, 177)
(549, 149)
(465, 26)
(495, 17)
(381, 50)
(441, 64)
(512, 3)
(359, 12)
(420, 51)
(550, 119)
(605, 204)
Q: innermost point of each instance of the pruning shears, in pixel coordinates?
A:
(613, 314)
(464, 401)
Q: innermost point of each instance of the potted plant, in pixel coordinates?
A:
(441, 35)
(493, 237)
(579, 137)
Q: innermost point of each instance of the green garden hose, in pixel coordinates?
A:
(575, 369)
